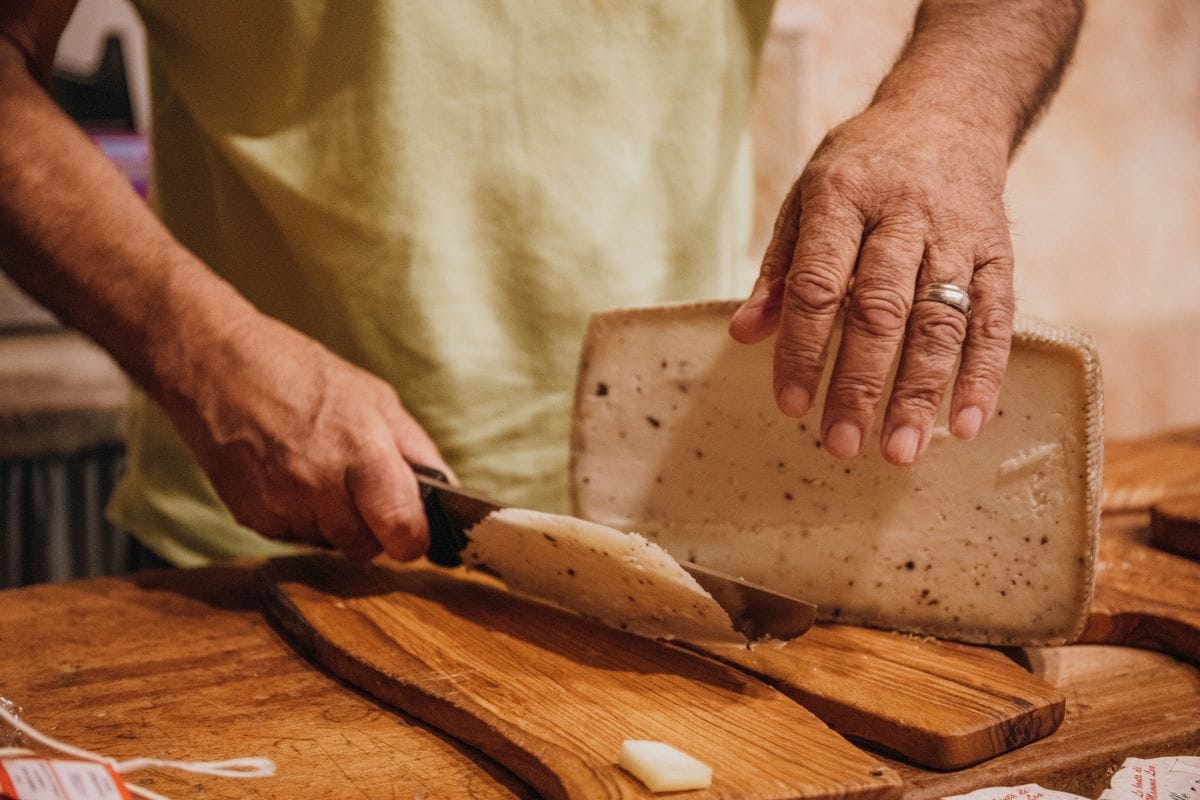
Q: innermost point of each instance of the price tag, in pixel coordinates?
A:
(31, 778)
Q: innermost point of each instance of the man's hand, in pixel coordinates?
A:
(906, 194)
(301, 445)
(893, 200)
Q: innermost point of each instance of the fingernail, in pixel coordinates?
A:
(902, 445)
(843, 440)
(794, 401)
(967, 423)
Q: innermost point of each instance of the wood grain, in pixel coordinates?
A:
(551, 695)
(1121, 702)
(1145, 597)
(181, 665)
(1175, 526)
(936, 704)
(1143, 472)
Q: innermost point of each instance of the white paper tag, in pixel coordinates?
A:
(1030, 791)
(1170, 778)
(27, 778)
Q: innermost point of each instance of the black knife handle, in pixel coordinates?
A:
(446, 540)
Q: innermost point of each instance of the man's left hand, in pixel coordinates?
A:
(893, 199)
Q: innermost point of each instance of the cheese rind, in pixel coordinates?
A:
(676, 434)
(663, 768)
(617, 578)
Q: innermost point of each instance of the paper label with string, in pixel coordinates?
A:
(32, 778)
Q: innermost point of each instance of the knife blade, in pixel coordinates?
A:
(756, 612)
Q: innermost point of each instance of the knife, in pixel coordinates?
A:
(756, 612)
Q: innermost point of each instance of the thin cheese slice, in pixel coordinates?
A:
(618, 578)
(676, 434)
(663, 768)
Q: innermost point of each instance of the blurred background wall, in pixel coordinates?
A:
(1104, 196)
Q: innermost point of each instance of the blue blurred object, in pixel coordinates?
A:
(131, 153)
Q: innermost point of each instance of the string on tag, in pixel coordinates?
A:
(252, 767)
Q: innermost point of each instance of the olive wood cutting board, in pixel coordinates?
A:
(550, 695)
(936, 704)
(1175, 526)
(1145, 596)
(1143, 472)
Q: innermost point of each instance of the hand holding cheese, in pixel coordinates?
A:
(907, 194)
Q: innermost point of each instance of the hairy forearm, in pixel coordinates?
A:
(75, 236)
(991, 63)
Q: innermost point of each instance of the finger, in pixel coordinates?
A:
(989, 338)
(872, 332)
(826, 251)
(386, 497)
(343, 527)
(414, 443)
(932, 345)
(758, 317)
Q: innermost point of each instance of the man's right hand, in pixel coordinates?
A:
(301, 445)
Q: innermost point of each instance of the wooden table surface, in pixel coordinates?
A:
(182, 665)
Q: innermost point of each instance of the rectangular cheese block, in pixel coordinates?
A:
(676, 435)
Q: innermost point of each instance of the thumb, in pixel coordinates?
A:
(758, 317)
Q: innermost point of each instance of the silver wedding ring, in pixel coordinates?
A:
(947, 294)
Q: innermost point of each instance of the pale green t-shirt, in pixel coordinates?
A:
(442, 192)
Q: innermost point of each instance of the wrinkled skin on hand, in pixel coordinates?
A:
(303, 446)
(892, 200)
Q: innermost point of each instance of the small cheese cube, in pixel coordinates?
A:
(663, 768)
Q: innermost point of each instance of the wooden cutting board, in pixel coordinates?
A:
(935, 704)
(1142, 472)
(550, 695)
(1145, 596)
(1121, 702)
(181, 665)
(1175, 526)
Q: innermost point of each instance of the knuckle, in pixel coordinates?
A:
(919, 397)
(938, 332)
(835, 181)
(982, 380)
(993, 249)
(992, 326)
(856, 391)
(912, 198)
(897, 230)
(304, 475)
(878, 311)
(814, 291)
(797, 357)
